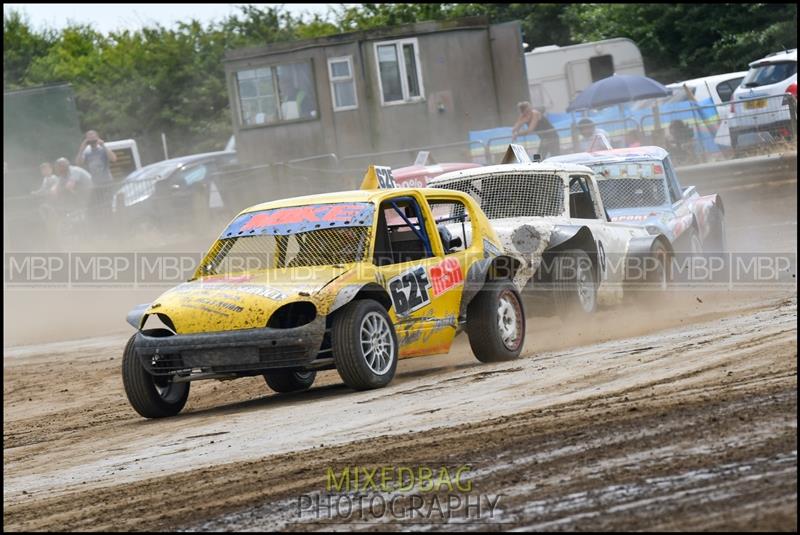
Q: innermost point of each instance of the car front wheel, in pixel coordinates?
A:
(152, 396)
(365, 347)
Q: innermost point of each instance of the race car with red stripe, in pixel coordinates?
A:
(424, 169)
(639, 185)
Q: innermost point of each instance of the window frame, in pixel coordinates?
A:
(273, 67)
(338, 79)
(399, 43)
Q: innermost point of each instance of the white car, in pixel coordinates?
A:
(759, 110)
(552, 216)
(718, 88)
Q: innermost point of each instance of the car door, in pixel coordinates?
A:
(423, 283)
(611, 239)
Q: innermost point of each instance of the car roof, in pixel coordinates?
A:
(358, 195)
(433, 169)
(533, 167)
(191, 158)
(713, 79)
(631, 154)
(784, 55)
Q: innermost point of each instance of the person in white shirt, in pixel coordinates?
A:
(49, 180)
(592, 138)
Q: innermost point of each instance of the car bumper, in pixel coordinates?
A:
(752, 135)
(230, 351)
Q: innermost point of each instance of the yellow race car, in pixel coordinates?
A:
(353, 281)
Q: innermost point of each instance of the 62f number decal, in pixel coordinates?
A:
(410, 290)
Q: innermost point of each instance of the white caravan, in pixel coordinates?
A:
(557, 74)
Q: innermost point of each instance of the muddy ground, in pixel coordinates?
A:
(681, 416)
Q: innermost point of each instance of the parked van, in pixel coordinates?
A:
(557, 74)
(128, 160)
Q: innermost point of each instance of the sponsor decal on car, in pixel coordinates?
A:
(446, 275)
(300, 218)
(410, 290)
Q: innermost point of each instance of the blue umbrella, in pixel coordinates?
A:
(617, 89)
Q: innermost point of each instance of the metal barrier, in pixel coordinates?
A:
(701, 134)
(152, 213)
(569, 139)
(156, 213)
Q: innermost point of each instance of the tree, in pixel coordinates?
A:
(21, 45)
(681, 41)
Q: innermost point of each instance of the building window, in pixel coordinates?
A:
(343, 83)
(399, 73)
(276, 94)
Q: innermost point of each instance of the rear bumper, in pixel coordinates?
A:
(231, 351)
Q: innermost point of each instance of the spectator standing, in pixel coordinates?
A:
(96, 158)
(533, 121)
(592, 138)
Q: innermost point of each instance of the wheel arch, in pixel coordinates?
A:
(354, 292)
(566, 237)
(498, 267)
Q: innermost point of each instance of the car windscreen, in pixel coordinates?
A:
(515, 194)
(769, 73)
(632, 185)
(298, 236)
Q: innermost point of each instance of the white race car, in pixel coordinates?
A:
(552, 215)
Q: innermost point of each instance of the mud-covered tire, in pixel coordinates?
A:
(716, 241)
(496, 322)
(574, 284)
(151, 396)
(658, 279)
(288, 381)
(364, 344)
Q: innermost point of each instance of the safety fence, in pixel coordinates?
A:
(191, 207)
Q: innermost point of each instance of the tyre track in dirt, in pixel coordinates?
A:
(99, 467)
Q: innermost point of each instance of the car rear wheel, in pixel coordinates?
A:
(496, 322)
(365, 347)
(574, 285)
(288, 381)
(150, 395)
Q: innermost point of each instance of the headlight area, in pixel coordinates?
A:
(293, 315)
(158, 324)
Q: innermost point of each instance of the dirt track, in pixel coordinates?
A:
(681, 416)
(666, 413)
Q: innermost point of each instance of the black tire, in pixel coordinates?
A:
(351, 355)
(143, 392)
(574, 284)
(659, 278)
(716, 241)
(497, 301)
(288, 381)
